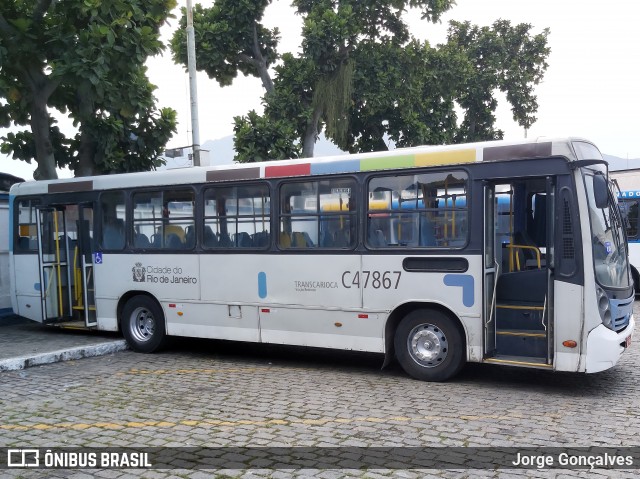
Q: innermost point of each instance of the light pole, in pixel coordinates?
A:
(193, 87)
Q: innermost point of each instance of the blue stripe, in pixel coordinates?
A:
(262, 285)
(345, 166)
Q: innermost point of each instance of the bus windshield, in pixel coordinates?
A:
(609, 245)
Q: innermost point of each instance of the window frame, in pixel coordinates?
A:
(268, 218)
(468, 179)
(353, 213)
(164, 221)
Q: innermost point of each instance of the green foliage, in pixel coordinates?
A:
(505, 58)
(259, 139)
(84, 58)
(228, 38)
(363, 78)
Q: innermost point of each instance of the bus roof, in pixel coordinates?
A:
(570, 148)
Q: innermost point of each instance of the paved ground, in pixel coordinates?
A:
(26, 343)
(215, 394)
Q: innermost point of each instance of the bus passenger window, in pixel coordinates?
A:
(237, 217)
(164, 220)
(418, 211)
(318, 214)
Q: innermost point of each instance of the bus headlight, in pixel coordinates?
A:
(604, 308)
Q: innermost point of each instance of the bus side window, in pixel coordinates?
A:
(27, 237)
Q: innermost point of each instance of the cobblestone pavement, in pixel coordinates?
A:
(213, 394)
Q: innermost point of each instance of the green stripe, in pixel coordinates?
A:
(389, 162)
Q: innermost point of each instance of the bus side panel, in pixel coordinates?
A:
(27, 286)
(215, 321)
(171, 278)
(386, 284)
(284, 279)
(568, 325)
(301, 298)
(351, 330)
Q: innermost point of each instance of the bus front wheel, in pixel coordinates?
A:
(143, 324)
(429, 346)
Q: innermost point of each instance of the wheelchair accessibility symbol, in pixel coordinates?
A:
(97, 258)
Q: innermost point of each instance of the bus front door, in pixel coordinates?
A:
(518, 283)
(55, 279)
(491, 271)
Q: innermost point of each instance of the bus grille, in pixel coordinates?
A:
(621, 313)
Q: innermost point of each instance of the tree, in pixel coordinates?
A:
(363, 78)
(84, 59)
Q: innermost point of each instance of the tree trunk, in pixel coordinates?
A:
(311, 134)
(87, 149)
(45, 158)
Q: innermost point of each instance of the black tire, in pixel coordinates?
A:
(143, 325)
(429, 345)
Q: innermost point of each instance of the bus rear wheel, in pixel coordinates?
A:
(143, 324)
(429, 346)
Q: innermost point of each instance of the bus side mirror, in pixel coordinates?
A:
(600, 191)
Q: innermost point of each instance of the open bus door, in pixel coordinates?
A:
(65, 253)
(518, 276)
(55, 279)
(85, 255)
(491, 271)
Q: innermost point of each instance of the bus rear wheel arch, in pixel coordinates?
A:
(429, 345)
(142, 323)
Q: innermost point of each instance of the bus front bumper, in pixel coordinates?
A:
(604, 347)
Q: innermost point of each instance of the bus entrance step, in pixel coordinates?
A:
(522, 361)
(519, 342)
(72, 325)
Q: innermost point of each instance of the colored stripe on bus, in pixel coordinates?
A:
(345, 166)
(516, 152)
(387, 162)
(236, 174)
(287, 170)
(70, 187)
(445, 157)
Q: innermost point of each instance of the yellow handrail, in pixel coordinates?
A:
(512, 251)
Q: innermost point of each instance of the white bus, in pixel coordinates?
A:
(507, 253)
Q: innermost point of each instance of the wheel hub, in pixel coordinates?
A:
(427, 345)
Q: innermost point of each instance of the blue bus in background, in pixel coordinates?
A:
(6, 180)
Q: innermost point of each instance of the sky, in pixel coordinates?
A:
(591, 88)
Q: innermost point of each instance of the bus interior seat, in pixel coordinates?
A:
(210, 238)
(261, 239)
(284, 240)
(224, 240)
(377, 239)
(173, 241)
(113, 235)
(301, 239)
(341, 238)
(243, 240)
(174, 230)
(141, 241)
(190, 237)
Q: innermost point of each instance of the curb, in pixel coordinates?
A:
(79, 352)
